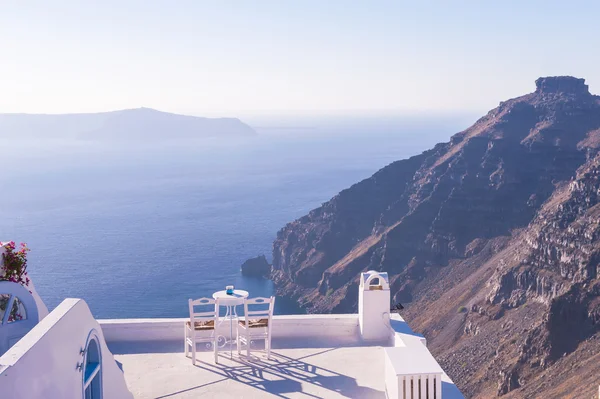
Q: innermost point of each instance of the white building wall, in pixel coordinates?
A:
(41, 306)
(43, 364)
(284, 327)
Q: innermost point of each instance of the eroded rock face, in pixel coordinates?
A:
(558, 268)
(503, 220)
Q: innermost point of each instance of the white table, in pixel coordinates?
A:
(230, 302)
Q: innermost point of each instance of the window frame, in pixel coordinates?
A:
(12, 299)
(88, 379)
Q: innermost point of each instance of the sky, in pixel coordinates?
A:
(231, 58)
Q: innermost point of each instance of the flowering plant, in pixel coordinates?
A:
(14, 267)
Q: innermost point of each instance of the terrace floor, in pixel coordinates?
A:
(291, 373)
(295, 370)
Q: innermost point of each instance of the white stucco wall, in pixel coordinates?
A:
(316, 326)
(374, 306)
(42, 308)
(43, 364)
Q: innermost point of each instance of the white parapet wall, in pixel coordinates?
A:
(411, 371)
(48, 362)
(284, 327)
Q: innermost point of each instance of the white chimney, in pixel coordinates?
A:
(374, 305)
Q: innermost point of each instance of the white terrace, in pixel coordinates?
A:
(313, 356)
(69, 354)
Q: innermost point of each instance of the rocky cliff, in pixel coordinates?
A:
(256, 267)
(502, 220)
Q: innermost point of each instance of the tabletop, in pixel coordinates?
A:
(236, 298)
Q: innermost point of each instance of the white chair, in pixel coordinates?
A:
(257, 324)
(204, 324)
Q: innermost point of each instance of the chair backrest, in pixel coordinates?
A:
(209, 311)
(259, 308)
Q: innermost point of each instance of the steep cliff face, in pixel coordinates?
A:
(534, 306)
(503, 219)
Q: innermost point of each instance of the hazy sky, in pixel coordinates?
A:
(234, 57)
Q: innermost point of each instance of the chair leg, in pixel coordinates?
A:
(268, 345)
(194, 351)
(185, 342)
(247, 338)
(237, 340)
(216, 348)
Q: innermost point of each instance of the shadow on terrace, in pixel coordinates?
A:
(161, 371)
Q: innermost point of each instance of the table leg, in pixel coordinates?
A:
(231, 314)
(221, 321)
(226, 316)
(231, 333)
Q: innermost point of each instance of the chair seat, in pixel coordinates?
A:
(255, 323)
(202, 325)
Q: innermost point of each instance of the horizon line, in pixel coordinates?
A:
(272, 112)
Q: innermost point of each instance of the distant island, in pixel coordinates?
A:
(139, 123)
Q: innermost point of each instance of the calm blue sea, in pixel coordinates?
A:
(136, 229)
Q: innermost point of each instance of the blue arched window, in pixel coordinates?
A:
(18, 314)
(92, 369)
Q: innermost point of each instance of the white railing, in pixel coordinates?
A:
(412, 373)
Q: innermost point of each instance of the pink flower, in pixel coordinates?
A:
(15, 263)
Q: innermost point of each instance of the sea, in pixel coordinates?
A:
(137, 227)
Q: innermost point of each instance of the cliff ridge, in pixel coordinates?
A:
(501, 220)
